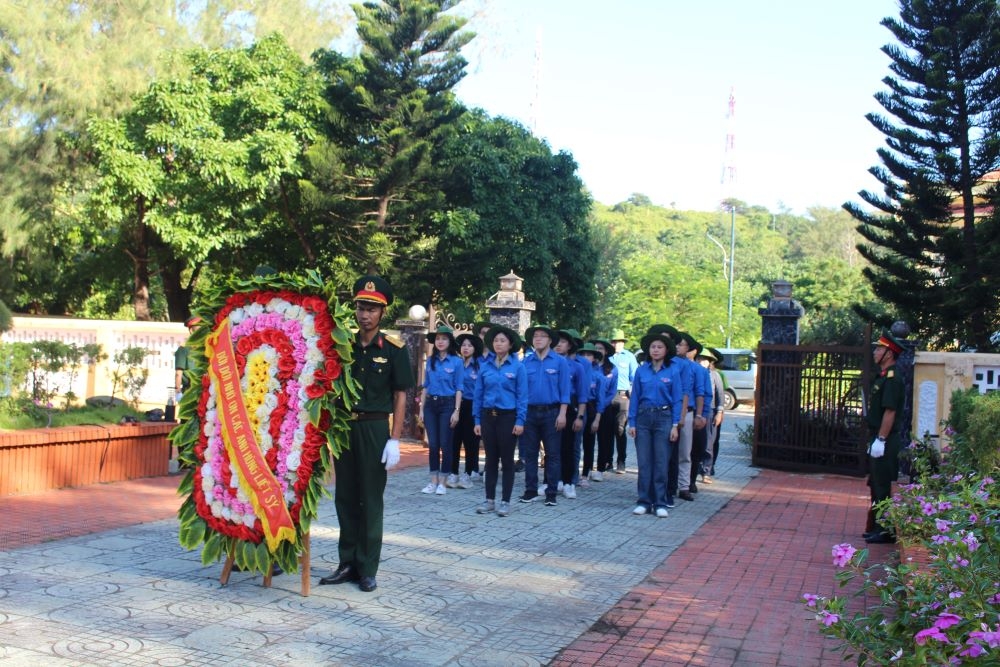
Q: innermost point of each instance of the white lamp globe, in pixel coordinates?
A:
(418, 313)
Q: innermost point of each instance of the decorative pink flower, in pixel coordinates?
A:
(932, 632)
(842, 554)
(810, 599)
(991, 637)
(946, 620)
(829, 618)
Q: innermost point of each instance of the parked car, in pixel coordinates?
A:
(739, 374)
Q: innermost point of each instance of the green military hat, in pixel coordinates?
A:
(687, 338)
(442, 329)
(662, 336)
(707, 353)
(479, 326)
(609, 348)
(590, 348)
(663, 328)
(530, 333)
(617, 335)
(573, 336)
(515, 340)
(373, 289)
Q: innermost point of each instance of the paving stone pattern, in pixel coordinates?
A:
(455, 588)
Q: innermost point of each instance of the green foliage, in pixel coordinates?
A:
(129, 375)
(6, 318)
(930, 251)
(974, 428)
(947, 608)
(24, 413)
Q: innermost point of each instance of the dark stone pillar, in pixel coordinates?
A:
(509, 307)
(780, 319)
(414, 335)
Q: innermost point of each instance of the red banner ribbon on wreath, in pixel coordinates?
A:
(245, 455)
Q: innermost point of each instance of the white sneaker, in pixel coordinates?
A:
(559, 487)
(430, 488)
(476, 477)
(662, 513)
(584, 483)
(596, 476)
(569, 491)
(440, 490)
(452, 481)
(639, 509)
(464, 482)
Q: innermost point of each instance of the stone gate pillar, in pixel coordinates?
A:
(780, 319)
(509, 307)
(413, 331)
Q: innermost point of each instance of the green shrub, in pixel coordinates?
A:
(974, 428)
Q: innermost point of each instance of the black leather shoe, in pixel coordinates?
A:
(276, 570)
(881, 538)
(685, 495)
(342, 574)
(367, 584)
(693, 488)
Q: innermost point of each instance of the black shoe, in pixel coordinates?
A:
(550, 501)
(519, 466)
(685, 495)
(342, 574)
(276, 570)
(881, 537)
(870, 533)
(528, 497)
(670, 502)
(367, 584)
(693, 488)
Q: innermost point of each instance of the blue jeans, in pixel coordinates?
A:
(540, 429)
(652, 451)
(440, 438)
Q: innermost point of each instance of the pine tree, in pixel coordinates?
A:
(393, 107)
(928, 249)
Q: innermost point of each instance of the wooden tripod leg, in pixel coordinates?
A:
(227, 569)
(268, 575)
(304, 564)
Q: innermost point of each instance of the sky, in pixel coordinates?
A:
(638, 92)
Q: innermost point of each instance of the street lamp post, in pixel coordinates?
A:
(728, 261)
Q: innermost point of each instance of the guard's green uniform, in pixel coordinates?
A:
(887, 393)
(380, 368)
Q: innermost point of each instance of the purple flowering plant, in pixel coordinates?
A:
(945, 611)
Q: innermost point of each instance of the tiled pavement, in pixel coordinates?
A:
(582, 583)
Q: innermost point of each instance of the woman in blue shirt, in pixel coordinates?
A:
(470, 349)
(442, 401)
(653, 414)
(609, 413)
(499, 408)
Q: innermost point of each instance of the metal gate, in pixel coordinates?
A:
(809, 408)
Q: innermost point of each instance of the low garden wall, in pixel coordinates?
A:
(37, 460)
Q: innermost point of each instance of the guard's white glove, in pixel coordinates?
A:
(877, 449)
(390, 455)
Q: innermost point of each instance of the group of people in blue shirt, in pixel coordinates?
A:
(559, 399)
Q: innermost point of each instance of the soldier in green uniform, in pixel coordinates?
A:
(885, 405)
(382, 368)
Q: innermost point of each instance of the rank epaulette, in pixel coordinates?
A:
(394, 340)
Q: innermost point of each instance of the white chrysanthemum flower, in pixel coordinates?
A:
(309, 327)
(254, 310)
(226, 513)
(290, 497)
(293, 460)
(248, 520)
(242, 496)
(236, 315)
(270, 399)
(266, 441)
(277, 305)
(294, 312)
(216, 508)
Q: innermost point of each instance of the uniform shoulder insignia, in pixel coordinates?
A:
(393, 340)
(890, 374)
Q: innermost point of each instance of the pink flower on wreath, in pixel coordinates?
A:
(932, 632)
(842, 554)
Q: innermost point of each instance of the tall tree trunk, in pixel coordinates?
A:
(140, 265)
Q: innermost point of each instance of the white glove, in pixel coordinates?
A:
(390, 455)
(877, 449)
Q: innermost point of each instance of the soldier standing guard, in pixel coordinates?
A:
(382, 368)
(885, 402)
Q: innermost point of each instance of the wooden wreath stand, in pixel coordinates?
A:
(227, 568)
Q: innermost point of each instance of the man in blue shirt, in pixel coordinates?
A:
(627, 365)
(549, 381)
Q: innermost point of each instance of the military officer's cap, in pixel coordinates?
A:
(891, 342)
(373, 289)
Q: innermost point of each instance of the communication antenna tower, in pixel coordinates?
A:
(537, 76)
(729, 157)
